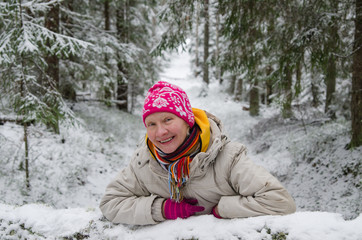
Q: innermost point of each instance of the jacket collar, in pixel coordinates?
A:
(216, 143)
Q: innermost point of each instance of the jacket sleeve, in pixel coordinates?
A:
(259, 193)
(126, 201)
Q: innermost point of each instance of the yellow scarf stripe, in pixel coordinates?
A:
(203, 122)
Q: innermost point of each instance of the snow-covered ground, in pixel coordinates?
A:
(42, 222)
(69, 172)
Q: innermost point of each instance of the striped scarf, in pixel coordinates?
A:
(178, 163)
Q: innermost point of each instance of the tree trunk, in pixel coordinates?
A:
(27, 178)
(298, 77)
(232, 86)
(123, 35)
(330, 81)
(217, 50)
(52, 23)
(107, 24)
(206, 44)
(238, 89)
(122, 87)
(67, 82)
(331, 70)
(197, 39)
(254, 99)
(66, 20)
(25, 128)
(131, 96)
(23, 93)
(269, 85)
(356, 103)
(287, 105)
(108, 88)
(269, 91)
(314, 87)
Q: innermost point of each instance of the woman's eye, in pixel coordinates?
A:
(168, 119)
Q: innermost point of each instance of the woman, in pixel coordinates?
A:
(187, 166)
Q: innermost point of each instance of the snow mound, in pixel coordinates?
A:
(36, 221)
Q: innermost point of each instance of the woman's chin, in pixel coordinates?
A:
(167, 148)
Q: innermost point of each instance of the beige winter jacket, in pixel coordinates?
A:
(223, 176)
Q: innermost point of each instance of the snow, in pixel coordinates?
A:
(48, 222)
(69, 172)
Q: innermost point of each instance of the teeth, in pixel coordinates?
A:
(167, 140)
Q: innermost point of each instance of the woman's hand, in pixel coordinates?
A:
(183, 209)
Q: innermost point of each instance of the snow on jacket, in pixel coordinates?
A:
(223, 176)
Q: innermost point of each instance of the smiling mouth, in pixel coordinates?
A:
(167, 140)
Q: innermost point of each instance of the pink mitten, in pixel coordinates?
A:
(183, 209)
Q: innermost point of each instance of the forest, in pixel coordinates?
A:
(63, 61)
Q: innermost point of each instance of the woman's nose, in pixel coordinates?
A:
(161, 130)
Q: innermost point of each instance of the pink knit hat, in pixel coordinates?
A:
(166, 97)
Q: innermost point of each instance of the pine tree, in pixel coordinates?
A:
(176, 18)
(135, 30)
(326, 37)
(118, 66)
(243, 33)
(27, 86)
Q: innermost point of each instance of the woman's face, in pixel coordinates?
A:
(166, 130)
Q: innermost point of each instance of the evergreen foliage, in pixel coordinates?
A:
(24, 42)
(177, 18)
(52, 50)
(91, 54)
